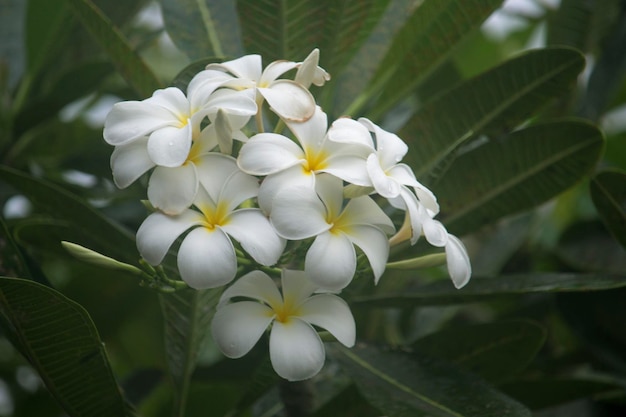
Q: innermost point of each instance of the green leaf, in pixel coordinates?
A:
(59, 339)
(570, 23)
(495, 351)
(486, 289)
(500, 99)
(426, 40)
(202, 28)
(12, 260)
(347, 403)
(608, 192)
(115, 241)
(515, 173)
(401, 384)
(12, 53)
(47, 25)
(126, 60)
(540, 393)
(187, 315)
(182, 79)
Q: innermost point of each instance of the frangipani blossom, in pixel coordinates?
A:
(296, 350)
(207, 257)
(169, 139)
(300, 213)
(286, 164)
(288, 98)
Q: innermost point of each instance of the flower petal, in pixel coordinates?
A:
(310, 133)
(130, 161)
(390, 148)
(275, 70)
(383, 184)
(256, 235)
(206, 258)
(256, 285)
(346, 130)
(350, 168)
(237, 327)
(248, 66)
(331, 313)
(298, 213)
(310, 73)
(130, 120)
(169, 146)
(157, 233)
(296, 286)
(238, 188)
(373, 242)
(458, 262)
(364, 211)
(273, 184)
(289, 100)
(435, 233)
(213, 171)
(296, 351)
(268, 153)
(331, 261)
(173, 189)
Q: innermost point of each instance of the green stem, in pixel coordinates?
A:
(297, 397)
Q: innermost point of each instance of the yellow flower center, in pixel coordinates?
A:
(315, 161)
(285, 311)
(214, 217)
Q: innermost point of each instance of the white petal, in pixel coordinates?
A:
(157, 233)
(289, 100)
(275, 70)
(213, 171)
(169, 146)
(296, 350)
(256, 285)
(268, 153)
(331, 261)
(310, 73)
(373, 242)
(346, 130)
(256, 235)
(129, 120)
(272, 184)
(330, 191)
(458, 262)
(232, 102)
(403, 174)
(350, 168)
(427, 198)
(384, 185)
(435, 233)
(415, 212)
(237, 327)
(238, 188)
(296, 286)
(130, 161)
(364, 211)
(173, 189)
(206, 258)
(311, 133)
(391, 149)
(298, 213)
(331, 313)
(248, 66)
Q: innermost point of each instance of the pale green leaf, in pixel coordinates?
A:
(608, 191)
(60, 341)
(428, 37)
(498, 99)
(495, 351)
(515, 173)
(187, 315)
(488, 289)
(126, 60)
(402, 384)
(203, 28)
(59, 203)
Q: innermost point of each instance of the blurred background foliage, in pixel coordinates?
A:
(515, 114)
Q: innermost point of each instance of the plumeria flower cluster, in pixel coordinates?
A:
(286, 218)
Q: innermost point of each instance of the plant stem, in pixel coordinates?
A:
(297, 397)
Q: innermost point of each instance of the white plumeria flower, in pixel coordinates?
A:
(164, 132)
(386, 174)
(298, 213)
(206, 257)
(289, 99)
(286, 164)
(310, 73)
(296, 350)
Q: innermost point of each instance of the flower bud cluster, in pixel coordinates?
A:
(245, 202)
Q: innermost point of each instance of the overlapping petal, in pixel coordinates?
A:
(331, 313)
(289, 99)
(172, 190)
(331, 261)
(296, 351)
(298, 213)
(268, 153)
(256, 235)
(458, 262)
(130, 161)
(169, 146)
